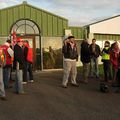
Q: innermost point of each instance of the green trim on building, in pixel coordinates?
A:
(106, 36)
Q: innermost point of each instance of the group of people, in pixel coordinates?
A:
(89, 55)
(18, 57)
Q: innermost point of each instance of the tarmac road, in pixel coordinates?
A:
(47, 100)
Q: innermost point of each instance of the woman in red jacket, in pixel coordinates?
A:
(114, 55)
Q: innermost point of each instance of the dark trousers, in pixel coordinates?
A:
(30, 72)
(118, 75)
(25, 73)
(107, 70)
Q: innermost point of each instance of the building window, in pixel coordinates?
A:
(25, 27)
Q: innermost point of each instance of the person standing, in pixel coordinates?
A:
(85, 59)
(114, 55)
(70, 57)
(19, 66)
(28, 56)
(94, 54)
(8, 62)
(2, 61)
(106, 61)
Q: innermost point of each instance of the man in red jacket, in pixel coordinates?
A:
(28, 56)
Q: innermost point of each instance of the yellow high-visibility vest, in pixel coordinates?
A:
(105, 56)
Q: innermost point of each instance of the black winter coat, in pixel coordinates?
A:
(85, 52)
(18, 57)
(97, 51)
(70, 53)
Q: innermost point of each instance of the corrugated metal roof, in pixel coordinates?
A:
(102, 20)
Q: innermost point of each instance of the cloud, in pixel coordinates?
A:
(78, 12)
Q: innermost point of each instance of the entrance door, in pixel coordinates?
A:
(31, 40)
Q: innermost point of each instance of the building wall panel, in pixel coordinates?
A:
(27, 12)
(4, 22)
(16, 13)
(11, 19)
(22, 11)
(55, 28)
(39, 19)
(44, 24)
(50, 24)
(33, 14)
(60, 27)
(78, 32)
(109, 26)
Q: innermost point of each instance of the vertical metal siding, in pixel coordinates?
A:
(4, 22)
(78, 32)
(10, 19)
(49, 24)
(44, 24)
(33, 14)
(50, 28)
(55, 28)
(39, 19)
(16, 13)
(27, 12)
(65, 24)
(60, 27)
(21, 11)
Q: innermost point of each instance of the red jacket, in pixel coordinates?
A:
(8, 59)
(114, 58)
(28, 53)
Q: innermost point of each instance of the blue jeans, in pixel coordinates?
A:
(18, 81)
(94, 70)
(2, 90)
(6, 76)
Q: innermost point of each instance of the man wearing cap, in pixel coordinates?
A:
(70, 57)
(19, 66)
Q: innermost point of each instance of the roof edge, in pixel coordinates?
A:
(25, 3)
(101, 20)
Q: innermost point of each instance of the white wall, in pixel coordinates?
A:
(110, 26)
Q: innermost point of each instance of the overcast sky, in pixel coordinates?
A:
(78, 12)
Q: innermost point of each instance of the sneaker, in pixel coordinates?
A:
(64, 86)
(24, 83)
(22, 93)
(75, 85)
(31, 81)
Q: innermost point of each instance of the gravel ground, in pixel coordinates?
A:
(47, 100)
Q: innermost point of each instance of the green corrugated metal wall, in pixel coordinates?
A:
(106, 37)
(49, 24)
(78, 32)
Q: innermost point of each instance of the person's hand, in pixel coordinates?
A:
(66, 41)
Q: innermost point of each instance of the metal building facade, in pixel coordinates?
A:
(49, 24)
(47, 42)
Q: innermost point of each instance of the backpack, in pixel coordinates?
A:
(104, 88)
(2, 57)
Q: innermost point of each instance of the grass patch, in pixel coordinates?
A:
(101, 73)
